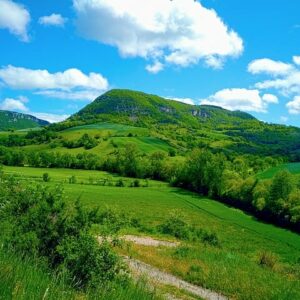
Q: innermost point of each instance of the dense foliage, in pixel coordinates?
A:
(229, 179)
(276, 200)
(40, 224)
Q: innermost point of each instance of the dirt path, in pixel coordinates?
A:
(148, 241)
(141, 269)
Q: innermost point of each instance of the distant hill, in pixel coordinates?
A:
(14, 121)
(190, 126)
(144, 109)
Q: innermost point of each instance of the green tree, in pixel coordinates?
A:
(281, 187)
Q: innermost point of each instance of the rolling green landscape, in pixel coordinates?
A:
(220, 185)
(242, 238)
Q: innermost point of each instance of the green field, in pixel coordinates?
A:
(293, 168)
(231, 269)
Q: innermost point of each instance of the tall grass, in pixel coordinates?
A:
(29, 280)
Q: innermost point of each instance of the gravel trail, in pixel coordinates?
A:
(154, 274)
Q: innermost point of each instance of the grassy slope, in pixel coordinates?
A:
(111, 135)
(29, 280)
(242, 132)
(231, 269)
(294, 168)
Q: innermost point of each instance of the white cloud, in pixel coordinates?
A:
(286, 82)
(52, 118)
(284, 119)
(74, 95)
(269, 98)
(53, 20)
(179, 32)
(18, 104)
(294, 106)
(22, 78)
(15, 18)
(269, 66)
(70, 84)
(296, 60)
(14, 104)
(183, 100)
(155, 67)
(240, 99)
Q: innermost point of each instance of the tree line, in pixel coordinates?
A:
(230, 179)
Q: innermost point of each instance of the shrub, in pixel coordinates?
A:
(111, 221)
(267, 259)
(88, 263)
(172, 152)
(120, 183)
(46, 177)
(176, 226)
(210, 238)
(136, 183)
(43, 226)
(72, 179)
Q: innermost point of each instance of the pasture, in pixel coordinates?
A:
(231, 269)
(293, 168)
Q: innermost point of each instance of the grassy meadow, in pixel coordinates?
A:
(293, 168)
(231, 268)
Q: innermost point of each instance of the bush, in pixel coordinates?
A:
(120, 183)
(88, 263)
(72, 179)
(176, 226)
(267, 259)
(111, 221)
(172, 152)
(46, 177)
(136, 183)
(43, 226)
(210, 238)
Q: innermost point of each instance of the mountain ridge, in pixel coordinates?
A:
(140, 107)
(11, 120)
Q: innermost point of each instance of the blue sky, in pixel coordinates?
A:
(57, 56)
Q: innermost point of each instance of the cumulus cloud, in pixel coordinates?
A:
(294, 106)
(52, 118)
(53, 20)
(178, 32)
(296, 60)
(269, 98)
(88, 95)
(241, 99)
(14, 104)
(183, 100)
(269, 66)
(14, 17)
(286, 80)
(18, 104)
(155, 67)
(70, 84)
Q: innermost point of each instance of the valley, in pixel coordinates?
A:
(173, 173)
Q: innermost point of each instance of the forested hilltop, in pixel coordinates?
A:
(191, 126)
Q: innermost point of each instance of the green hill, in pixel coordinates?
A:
(144, 109)
(190, 126)
(16, 121)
